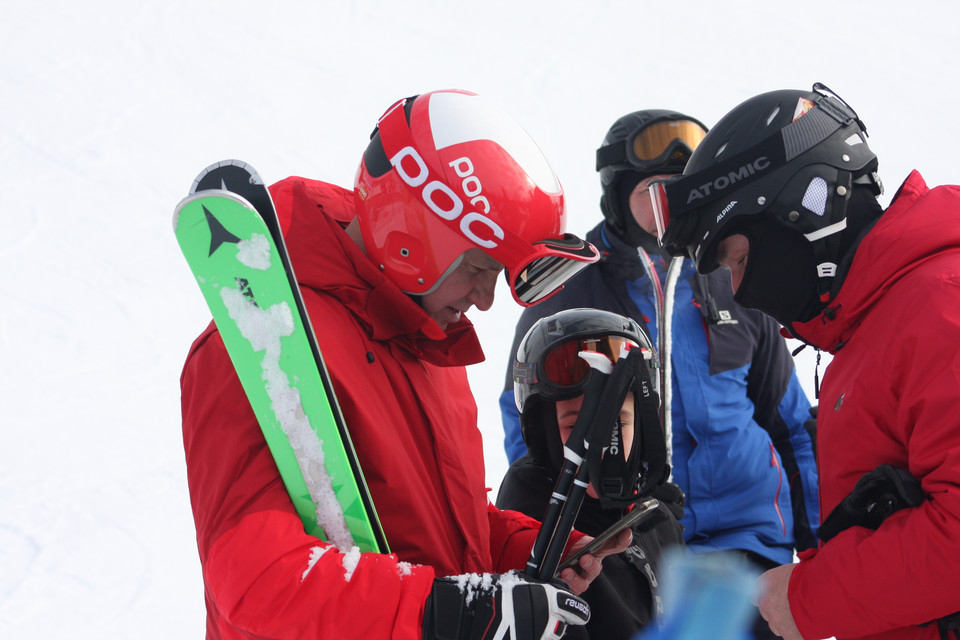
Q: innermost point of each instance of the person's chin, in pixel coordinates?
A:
(447, 316)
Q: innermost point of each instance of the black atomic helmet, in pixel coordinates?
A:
(790, 159)
(639, 145)
(547, 369)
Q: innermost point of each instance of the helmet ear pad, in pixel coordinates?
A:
(615, 205)
(541, 433)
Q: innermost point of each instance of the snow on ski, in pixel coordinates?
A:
(228, 232)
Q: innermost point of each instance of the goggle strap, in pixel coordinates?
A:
(525, 372)
(694, 191)
(611, 154)
(778, 148)
(618, 152)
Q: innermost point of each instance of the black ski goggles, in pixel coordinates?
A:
(661, 143)
(564, 368)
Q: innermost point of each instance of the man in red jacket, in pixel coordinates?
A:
(450, 192)
(782, 191)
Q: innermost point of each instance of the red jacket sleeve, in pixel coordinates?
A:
(264, 576)
(514, 534)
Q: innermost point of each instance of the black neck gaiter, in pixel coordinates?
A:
(781, 274)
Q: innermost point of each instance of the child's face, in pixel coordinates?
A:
(568, 410)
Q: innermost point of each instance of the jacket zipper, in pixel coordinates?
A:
(776, 498)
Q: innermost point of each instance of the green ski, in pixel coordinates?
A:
(250, 288)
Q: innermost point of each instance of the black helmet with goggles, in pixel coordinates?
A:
(638, 145)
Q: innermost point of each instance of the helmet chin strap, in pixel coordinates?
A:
(827, 269)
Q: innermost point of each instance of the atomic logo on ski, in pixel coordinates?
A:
(218, 233)
(244, 285)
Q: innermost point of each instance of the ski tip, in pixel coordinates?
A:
(209, 193)
(220, 175)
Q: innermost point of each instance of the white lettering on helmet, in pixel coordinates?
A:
(722, 182)
(472, 186)
(450, 206)
(397, 162)
(479, 218)
(471, 183)
(726, 210)
(466, 163)
(455, 204)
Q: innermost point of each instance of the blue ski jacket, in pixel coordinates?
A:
(736, 408)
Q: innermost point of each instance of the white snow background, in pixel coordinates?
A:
(108, 110)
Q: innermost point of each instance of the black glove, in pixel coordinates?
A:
(671, 496)
(508, 606)
(875, 496)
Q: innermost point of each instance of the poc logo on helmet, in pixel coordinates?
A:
(449, 205)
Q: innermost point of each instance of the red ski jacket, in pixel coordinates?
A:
(403, 390)
(891, 395)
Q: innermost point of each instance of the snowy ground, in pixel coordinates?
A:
(108, 110)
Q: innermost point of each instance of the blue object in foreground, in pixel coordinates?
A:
(707, 596)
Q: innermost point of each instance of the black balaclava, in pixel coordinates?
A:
(780, 278)
(542, 436)
(781, 275)
(863, 211)
(632, 234)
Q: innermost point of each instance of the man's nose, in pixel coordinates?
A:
(483, 291)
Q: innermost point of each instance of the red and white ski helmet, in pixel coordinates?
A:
(446, 172)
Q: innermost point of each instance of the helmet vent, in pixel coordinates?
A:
(815, 198)
(720, 150)
(854, 140)
(773, 114)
